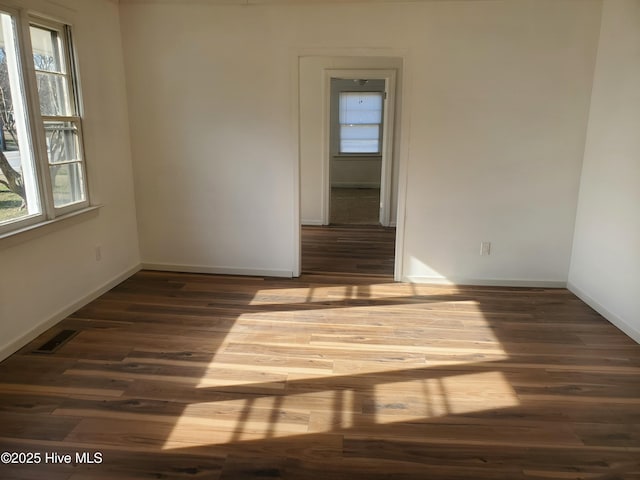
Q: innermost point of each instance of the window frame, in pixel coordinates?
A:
(23, 20)
(380, 125)
(66, 41)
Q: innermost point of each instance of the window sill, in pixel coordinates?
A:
(353, 156)
(21, 235)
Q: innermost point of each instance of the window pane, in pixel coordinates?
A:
(359, 139)
(18, 188)
(360, 146)
(360, 107)
(53, 93)
(62, 141)
(68, 184)
(47, 54)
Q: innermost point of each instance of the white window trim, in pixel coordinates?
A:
(70, 61)
(50, 214)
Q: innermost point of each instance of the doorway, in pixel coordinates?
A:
(348, 163)
(359, 121)
(357, 112)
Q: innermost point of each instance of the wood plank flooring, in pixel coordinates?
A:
(355, 249)
(178, 376)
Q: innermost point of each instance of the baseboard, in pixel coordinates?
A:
(252, 272)
(489, 282)
(355, 185)
(319, 223)
(18, 343)
(616, 320)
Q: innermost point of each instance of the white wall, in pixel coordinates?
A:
(497, 140)
(355, 172)
(213, 137)
(49, 272)
(495, 103)
(605, 266)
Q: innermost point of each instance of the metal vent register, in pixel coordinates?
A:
(56, 342)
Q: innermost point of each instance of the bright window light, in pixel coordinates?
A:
(360, 116)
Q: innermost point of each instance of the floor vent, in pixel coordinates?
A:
(56, 342)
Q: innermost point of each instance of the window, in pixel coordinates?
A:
(59, 112)
(42, 169)
(360, 117)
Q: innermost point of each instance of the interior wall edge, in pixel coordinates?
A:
(217, 270)
(487, 282)
(16, 344)
(614, 319)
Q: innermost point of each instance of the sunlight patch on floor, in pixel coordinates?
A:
(374, 402)
(354, 380)
(381, 291)
(447, 395)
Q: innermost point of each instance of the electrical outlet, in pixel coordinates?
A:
(485, 248)
(98, 251)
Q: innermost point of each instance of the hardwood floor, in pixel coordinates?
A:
(179, 376)
(354, 249)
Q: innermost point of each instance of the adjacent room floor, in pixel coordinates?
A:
(348, 377)
(356, 249)
(355, 206)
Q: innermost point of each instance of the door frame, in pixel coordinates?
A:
(312, 58)
(388, 132)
